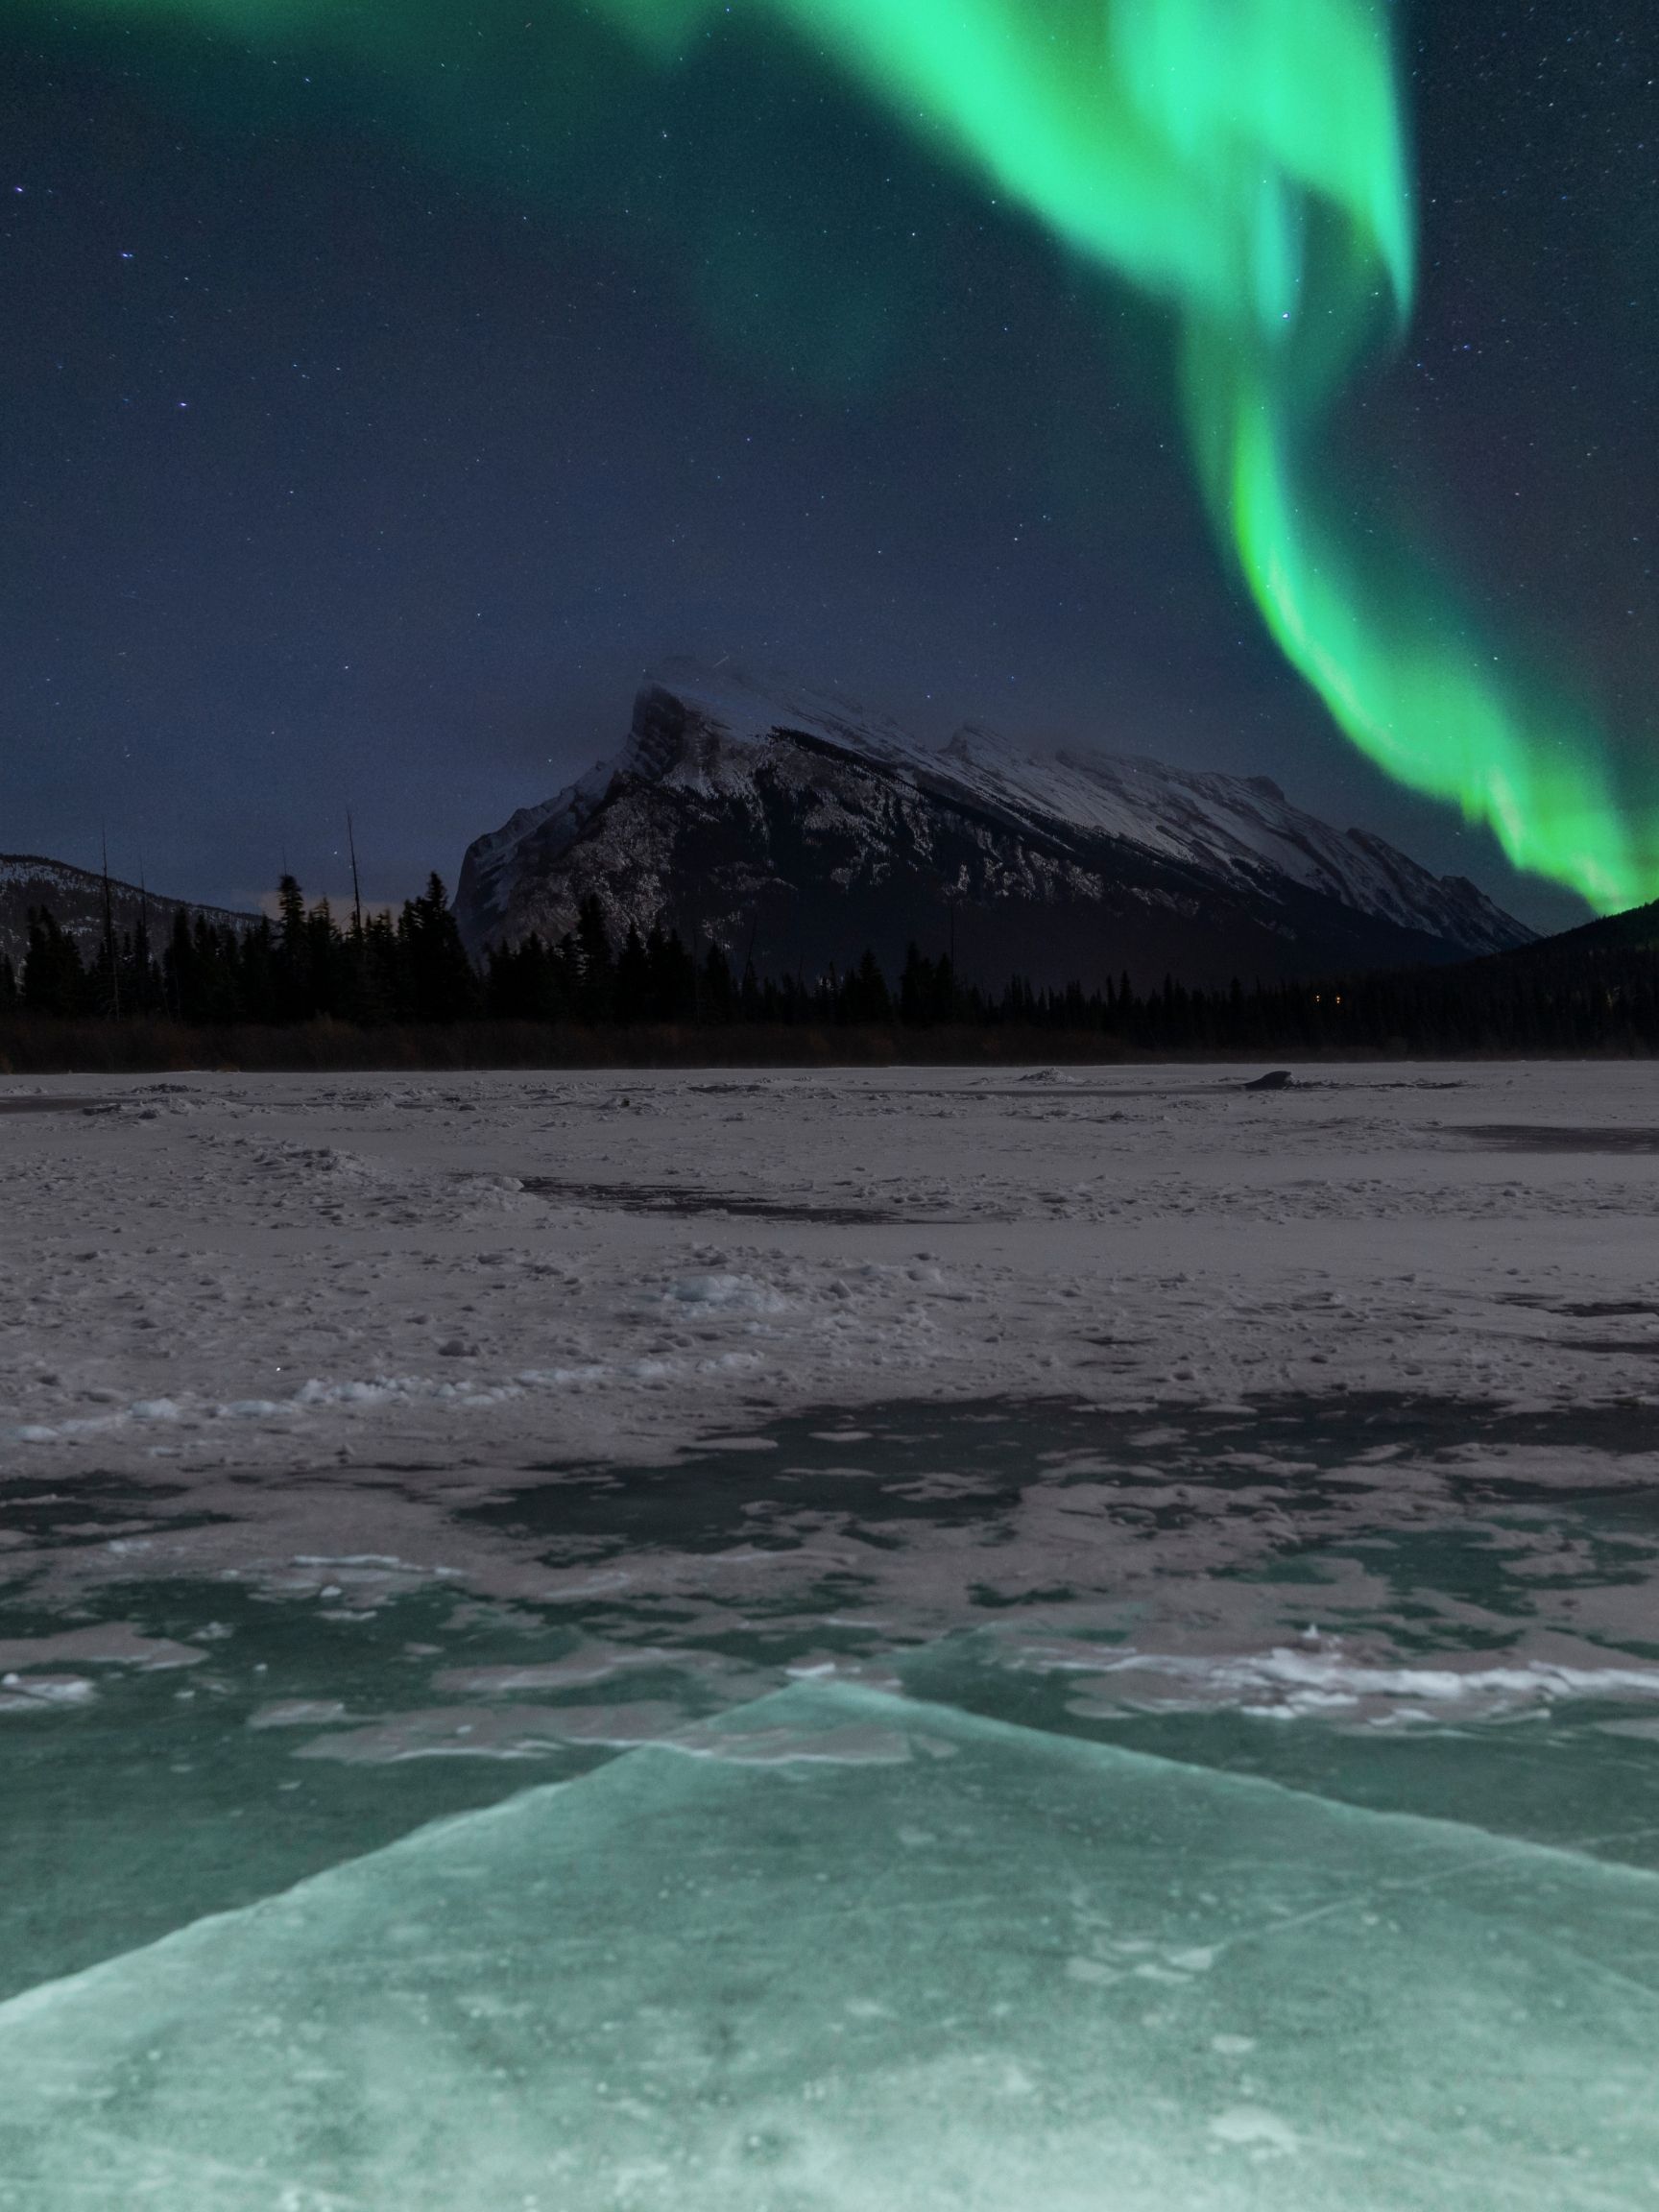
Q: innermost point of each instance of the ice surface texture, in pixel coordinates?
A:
(1011, 1971)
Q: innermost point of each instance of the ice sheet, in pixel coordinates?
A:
(1025, 1972)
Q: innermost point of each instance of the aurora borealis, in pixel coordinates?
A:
(1246, 160)
(1244, 166)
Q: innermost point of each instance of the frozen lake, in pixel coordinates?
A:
(1100, 1709)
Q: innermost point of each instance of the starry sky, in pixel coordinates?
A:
(361, 449)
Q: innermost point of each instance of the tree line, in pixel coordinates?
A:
(410, 969)
(303, 966)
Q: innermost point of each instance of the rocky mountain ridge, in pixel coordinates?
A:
(795, 829)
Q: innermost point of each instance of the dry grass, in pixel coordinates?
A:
(59, 1047)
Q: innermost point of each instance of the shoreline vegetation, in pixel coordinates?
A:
(304, 991)
(43, 1048)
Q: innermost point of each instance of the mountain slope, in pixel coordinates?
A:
(1636, 930)
(75, 897)
(793, 829)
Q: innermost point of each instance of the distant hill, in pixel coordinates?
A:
(793, 829)
(1591, 989)
(1637, 931)
(76, 898)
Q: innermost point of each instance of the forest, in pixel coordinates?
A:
(1584, 992)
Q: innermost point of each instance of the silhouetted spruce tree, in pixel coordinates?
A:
(54, 979)
(528, 982)
(863, 997)
(101, 987)
(180, 970)
(914, 982)
(631, 987)
(253, 967)
(327, 983)
(596, 995)
(439, 982)
(141, 990)
(927, 994)
(365, 986)
(382, 966)
(714, 994)
(673, 987)
(290, 959)
(9, 995)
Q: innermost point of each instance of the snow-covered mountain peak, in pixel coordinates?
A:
(739, 793)
(1240, 828)
(747, 707)
(976, 745)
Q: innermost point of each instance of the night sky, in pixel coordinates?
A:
(364, 437)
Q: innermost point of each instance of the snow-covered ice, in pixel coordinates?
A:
(233, 1271)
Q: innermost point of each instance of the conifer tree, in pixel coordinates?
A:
(439, 984)
(54, 979)
(714, 997)
(595, 992)
(631, 989)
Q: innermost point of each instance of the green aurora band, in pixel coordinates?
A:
(1245, 162)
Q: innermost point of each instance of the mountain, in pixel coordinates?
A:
(76, 898)
(796, 829)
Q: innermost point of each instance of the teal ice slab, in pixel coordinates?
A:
(867, 1953)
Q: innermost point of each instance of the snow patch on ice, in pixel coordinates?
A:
(729, 1293)
(594, 1664)
(735, 1294)
(498, 1732)
(113, 1644)
(1285, 1684)
(298, 1713)
(850, 1747)
(1247, 2128)
(43, 1693)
